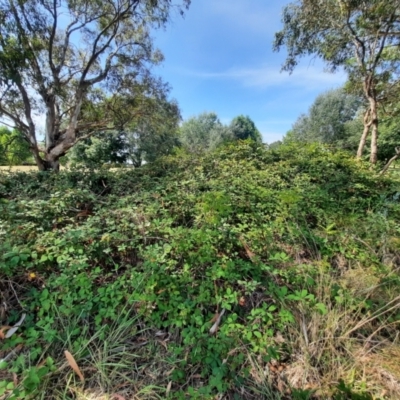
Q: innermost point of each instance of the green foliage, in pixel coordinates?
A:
(175, 242)
(389, 136)
(330, 30)
(242, 128)
(154, 135)
(148, 130)
(336, 118)
(359, 37)
(99, 149)
(14, 149)
(203, 133)
(327, 118)
(43, 70)
(275, 145)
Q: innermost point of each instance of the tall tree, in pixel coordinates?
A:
(242, 128)
(156, 135)
(54, 53)
(327, 118)
(203, 133)
(360, 36)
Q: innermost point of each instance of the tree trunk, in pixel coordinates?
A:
(363, 140)
(31, 137)
(46, 164)
(40, 163)
(374, 136)
(58, 144)
(52, 165)
(370, 120)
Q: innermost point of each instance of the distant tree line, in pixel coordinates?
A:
(336, 118)
(161, 134)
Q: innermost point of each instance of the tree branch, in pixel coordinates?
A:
(25, 38)
(69, 31)
(383, 41)
(114, 23)
(89, 125)
(51, 41)
(95, 54)
(391, 161)
(359, 42)
(14, 118)
(30, 133)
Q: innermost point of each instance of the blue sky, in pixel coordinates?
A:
(219, 58)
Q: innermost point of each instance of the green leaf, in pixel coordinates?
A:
(322, 308)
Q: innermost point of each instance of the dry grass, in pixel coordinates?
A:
(33, 168)
(347, 343)
(18, 168)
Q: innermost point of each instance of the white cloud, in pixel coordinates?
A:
(266, 76)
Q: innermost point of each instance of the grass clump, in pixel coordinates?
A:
(129, 270)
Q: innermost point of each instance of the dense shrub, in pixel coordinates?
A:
(244, 229)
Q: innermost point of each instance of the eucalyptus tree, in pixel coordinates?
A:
(360, 36)
(56, 53)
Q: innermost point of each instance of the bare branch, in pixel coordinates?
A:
(2, 122)
(8, 144)
(89, 125)
(69, 31)
(96, 54)
(28, 113)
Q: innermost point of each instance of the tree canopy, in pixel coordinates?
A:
(336, 117)
(56, 54)
(328, 118)
(242, 128)
(146, 132)
(203, 133)
(206, 132)
(362, 37)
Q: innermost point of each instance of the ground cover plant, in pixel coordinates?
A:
(290, 257)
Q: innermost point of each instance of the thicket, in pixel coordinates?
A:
(298, 247)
